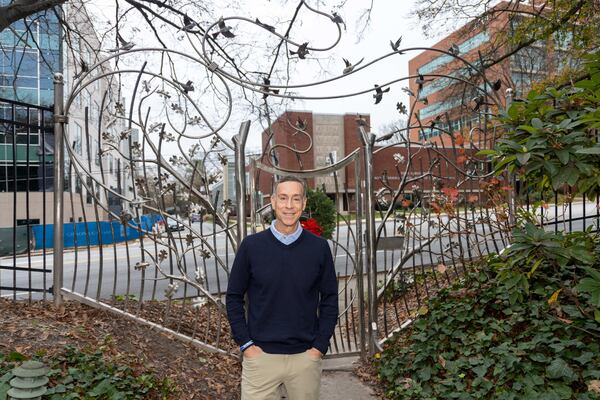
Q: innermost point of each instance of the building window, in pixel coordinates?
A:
(95, 112)
(77, 139)
(96, 152)
(78, 185)
(30, 52)
(438, 108)
(464, 48)
(90, 188)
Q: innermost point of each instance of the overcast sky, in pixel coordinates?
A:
(389, 20)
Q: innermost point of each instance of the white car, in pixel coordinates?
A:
(173, 225)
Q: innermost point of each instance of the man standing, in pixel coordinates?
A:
(289, 277)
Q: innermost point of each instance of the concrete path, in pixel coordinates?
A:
(339, 383)
(343, 385)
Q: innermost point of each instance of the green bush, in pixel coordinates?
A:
(321, 208)
(551, 137)
(515, 328)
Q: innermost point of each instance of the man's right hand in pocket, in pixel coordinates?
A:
(252, 351)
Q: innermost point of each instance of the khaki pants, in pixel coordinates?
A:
(262, 375)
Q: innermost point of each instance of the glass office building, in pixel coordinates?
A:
(30, 54)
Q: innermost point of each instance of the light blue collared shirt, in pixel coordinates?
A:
(286, 239)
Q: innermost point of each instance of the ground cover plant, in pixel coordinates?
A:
(76, 374)
(512, 329)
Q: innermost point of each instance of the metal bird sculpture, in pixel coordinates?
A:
(301, 52)
(396, 45)
(349, 66)
(480, 101)
(270, 28)
(266, 88)
(223, 30)
(338, 20)
(454, 49)
(378, 95)
(420, 81)
(186, 87)
(83, 68)
(123, 45)
(188, 23)
(497, 85)
(125, 217)
(385, 137)
(300, 124)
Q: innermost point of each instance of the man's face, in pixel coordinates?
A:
(288, 203)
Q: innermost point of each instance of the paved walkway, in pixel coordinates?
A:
(339, 383)
(343, 385)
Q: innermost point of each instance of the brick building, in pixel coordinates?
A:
(446, 103)
(338, 135)
(333, 136)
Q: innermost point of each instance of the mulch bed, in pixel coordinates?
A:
(39, 326)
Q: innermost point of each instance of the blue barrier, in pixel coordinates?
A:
(93, 233)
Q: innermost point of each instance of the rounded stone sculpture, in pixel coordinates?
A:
(29, 382)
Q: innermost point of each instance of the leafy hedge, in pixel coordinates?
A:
(516, 328)
(552, 138)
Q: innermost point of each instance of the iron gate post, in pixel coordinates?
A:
(253, 199)
(512, 201)
(59, 157)
(239, 141)
(368, 141)
(358, 255)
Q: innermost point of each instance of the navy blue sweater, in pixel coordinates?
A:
(286, 286)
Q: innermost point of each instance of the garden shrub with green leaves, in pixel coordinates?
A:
(552, 136)
(322, 209)
(515, 328)
(82, 375)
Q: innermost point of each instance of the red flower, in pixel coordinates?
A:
(313, 226)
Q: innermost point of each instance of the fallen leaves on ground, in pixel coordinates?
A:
(31, 328)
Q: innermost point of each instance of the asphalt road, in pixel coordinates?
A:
(102, 273)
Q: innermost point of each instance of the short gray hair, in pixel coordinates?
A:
(290, 178)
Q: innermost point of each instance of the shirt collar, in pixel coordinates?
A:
(283, 238)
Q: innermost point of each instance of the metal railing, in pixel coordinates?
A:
(26, 182)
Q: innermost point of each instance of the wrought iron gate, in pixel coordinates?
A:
(346, 243)
(152, 238)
